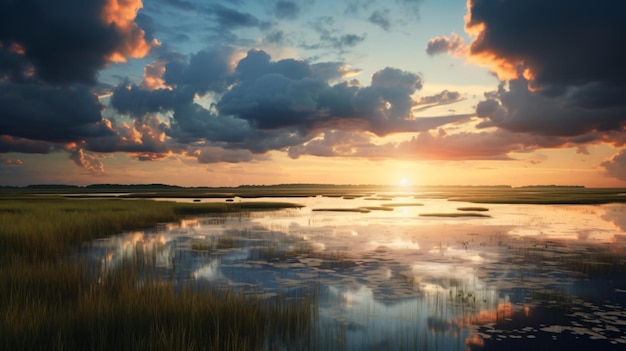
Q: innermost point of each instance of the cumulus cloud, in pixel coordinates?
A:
(561, 65)
(453, 45)
(520, 110)
(70, 41)
(616, 165)
(42, 112)
(268, 105)
(562, 43)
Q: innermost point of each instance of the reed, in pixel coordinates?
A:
(50, 301)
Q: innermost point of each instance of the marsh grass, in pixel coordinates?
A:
(50, 301)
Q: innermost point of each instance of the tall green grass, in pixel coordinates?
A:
(48, 301)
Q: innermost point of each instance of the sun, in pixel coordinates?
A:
(404, 182)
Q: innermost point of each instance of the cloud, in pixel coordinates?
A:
(287, 93)
(330, 38)
(564, 78)
(453, 45)
(70, 41)
(229, 19)
(520, 110)
(15, 144)
(563, 43)
(353, 7)
(411, 6)
(207, 71)
(12, 161)
(216, 155)
(616, 165)
(443, 98)
(286, 10)
(381, 19)
(334, 143)
(86, 161)
(41, 112)
(268, 105)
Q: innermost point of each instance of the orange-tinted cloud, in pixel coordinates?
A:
(121, 14)
(12, 162)
(153, 76)
(89, 162)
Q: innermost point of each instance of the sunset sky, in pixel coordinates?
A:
(230, 92)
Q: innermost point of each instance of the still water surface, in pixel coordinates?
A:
(525, 277)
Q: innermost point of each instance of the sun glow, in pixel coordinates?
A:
(404, 182)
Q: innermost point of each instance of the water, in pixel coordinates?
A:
(527, 277)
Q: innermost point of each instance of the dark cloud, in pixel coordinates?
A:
(563, 62)
(286, 93)
(15, 144)
(193, 122)
(207, 70)
(616, 165)
(217, 154)
(562, 43)
(381, 19)
(70, 41)
(229, 19)
(286, 10)
(134, 100)
(40, 112)
(521, 110)
(269, 105)
(331, 71)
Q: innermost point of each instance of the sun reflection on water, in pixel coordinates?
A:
(395, 277)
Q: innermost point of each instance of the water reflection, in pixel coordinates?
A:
(529, 276)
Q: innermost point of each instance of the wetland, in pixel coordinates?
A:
(322, 268)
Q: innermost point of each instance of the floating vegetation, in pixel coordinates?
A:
(357, 209)
(378, 208)
(379, 198)
(473, 209)
(454, 214)
(403, 204)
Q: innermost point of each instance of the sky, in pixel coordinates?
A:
(232, 92)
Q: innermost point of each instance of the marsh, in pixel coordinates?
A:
(410, 272)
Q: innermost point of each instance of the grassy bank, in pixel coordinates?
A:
(48, 302)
